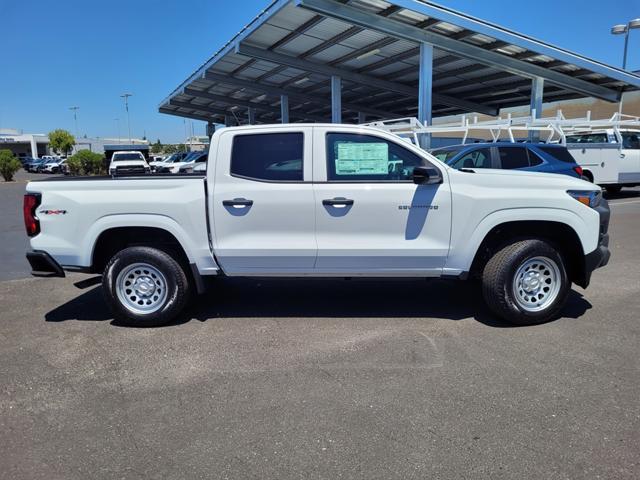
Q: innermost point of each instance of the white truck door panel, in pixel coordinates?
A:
(630, 158)
(595, 153)
(371, 218)
(262, 204)
(590, 158)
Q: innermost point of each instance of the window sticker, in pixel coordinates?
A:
(362, 159)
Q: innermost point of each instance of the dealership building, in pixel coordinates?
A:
(24, 144)
(352, 61)
(37, 144)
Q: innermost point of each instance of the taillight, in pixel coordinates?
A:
(31, 223)
(578, 170)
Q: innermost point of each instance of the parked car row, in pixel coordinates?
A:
(126, 163)
(181, 162)
(45, 164)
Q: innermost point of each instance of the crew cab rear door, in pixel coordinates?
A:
(371, 218)
(262, 204)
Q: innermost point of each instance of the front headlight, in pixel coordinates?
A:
(589, 198)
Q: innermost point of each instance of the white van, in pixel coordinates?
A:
(608, 157)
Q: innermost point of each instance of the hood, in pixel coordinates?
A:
(512, 177)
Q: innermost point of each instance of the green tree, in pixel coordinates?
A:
(156, 147)
(181, 147)
(61, 141)
(169, 149)
(9, 165)
(86, 162)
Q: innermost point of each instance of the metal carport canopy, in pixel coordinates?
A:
(382, 59)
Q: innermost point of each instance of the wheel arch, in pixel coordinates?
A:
(112, 240)
(588, 174)
(561, 235)
(147, 225)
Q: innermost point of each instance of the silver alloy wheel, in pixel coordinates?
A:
(141, 288)
(536, 284)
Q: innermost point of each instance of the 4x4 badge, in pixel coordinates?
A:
(53, 212)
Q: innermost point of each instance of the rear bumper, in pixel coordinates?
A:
(43, 265)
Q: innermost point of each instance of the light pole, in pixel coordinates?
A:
(75, 117)
(126, 107)
(624, 29)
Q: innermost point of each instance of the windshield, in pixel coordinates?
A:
(445, 154)
(119, 157)
(195, 156)
(191, 156)
(176, 157)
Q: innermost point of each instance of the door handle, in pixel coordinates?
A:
(237, 202)
(337, 202)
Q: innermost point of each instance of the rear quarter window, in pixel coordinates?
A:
(559, 153)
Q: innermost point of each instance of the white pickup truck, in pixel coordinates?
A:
(320, 200)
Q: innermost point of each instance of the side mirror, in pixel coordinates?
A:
(426, 176)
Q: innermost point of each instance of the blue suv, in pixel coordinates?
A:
(534, 157)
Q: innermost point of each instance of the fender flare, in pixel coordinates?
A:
(461, 258)
(109, 222)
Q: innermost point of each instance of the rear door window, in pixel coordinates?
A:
(275, 157)
(513, 157)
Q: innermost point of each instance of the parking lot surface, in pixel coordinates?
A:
(320, 378)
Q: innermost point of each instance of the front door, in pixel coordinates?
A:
(371, 218)
(263, 201)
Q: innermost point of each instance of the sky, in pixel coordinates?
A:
(63, 53)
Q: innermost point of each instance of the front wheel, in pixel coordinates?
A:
(145, 287)
(526, 283)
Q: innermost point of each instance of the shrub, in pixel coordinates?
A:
(75, 165)
(86, 162)
(9, 165)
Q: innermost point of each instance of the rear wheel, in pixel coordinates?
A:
(145, 286)
(526, 283)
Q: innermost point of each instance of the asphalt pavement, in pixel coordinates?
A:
(321, 378)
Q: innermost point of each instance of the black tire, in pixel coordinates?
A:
(498, 282)
(613, 189)
(175, 279)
